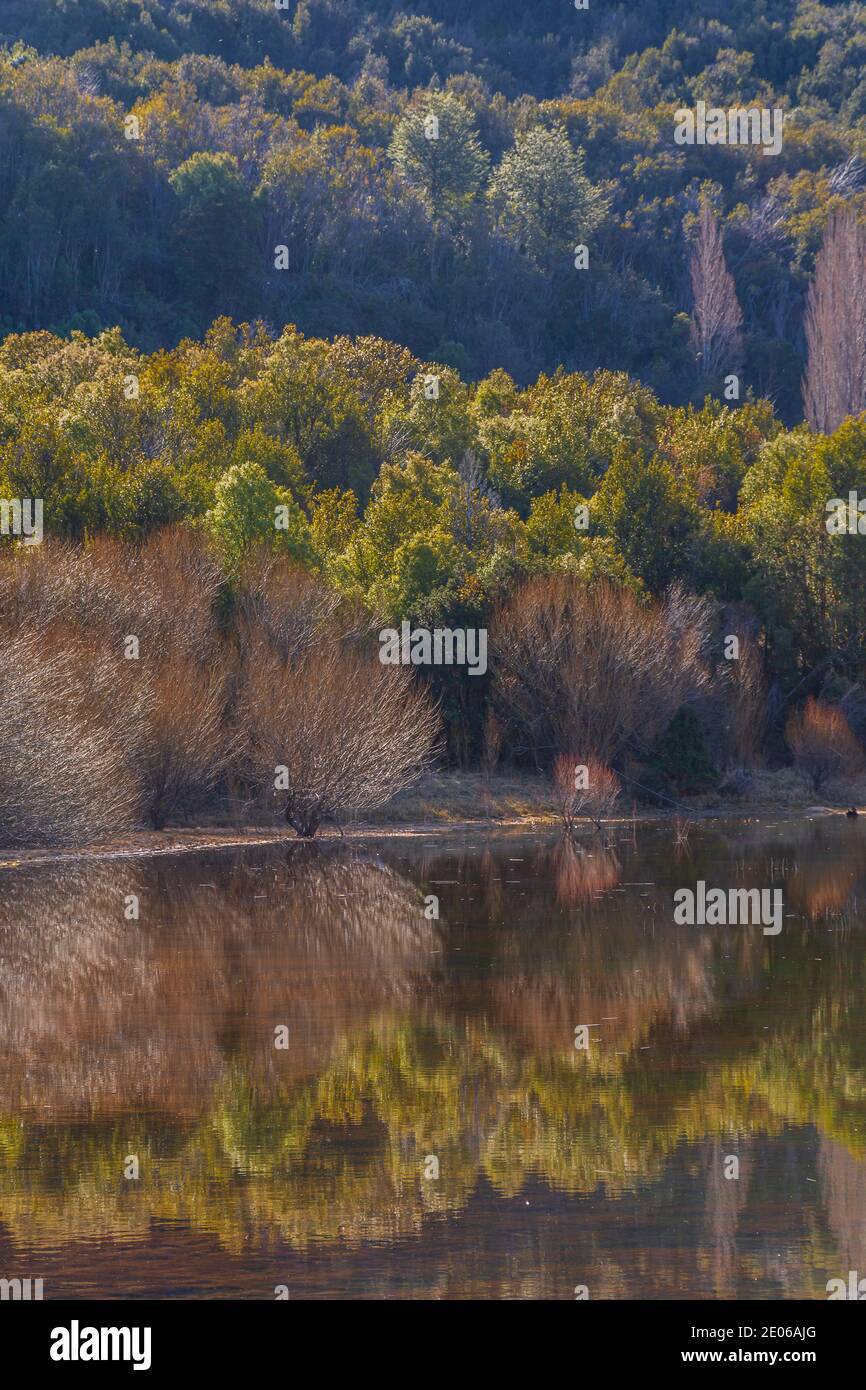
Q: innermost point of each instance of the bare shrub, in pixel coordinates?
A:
(165, 710)
(184, 573)
(732, 706)
(182, 745)
(491, 744)
(65, 775)
(590, 667)
(349, 732)
(822, 742)
(745, 694)
(196, 711)
(285, 603)
(584, 787)
(164, 592)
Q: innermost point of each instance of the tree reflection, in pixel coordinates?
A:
(411, 1039)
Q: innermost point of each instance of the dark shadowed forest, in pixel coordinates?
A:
(259, 126)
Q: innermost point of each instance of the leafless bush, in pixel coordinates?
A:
(164, 592)
(65, 775)
(822, 742)
(748, 706)
(182, 745)
(285, 603)
(169, 702)
(196, 709)
(590, 667)
(491, 743)
(183, 572)
(746, 698)
(584, 787)
(333, 734)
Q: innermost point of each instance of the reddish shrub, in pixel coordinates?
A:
(823, 745)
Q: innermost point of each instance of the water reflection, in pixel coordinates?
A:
(413, 1038)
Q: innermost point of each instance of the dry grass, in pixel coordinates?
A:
(454, 798)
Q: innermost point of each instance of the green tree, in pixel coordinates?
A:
(250, 510)
(334, 521)
(639, 506)
(436, 149)
(809, 582)
(551, 525)
(215, 228)
(541, 197)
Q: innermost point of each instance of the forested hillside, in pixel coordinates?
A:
(261, 127)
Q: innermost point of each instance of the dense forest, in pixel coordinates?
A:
(260, 126)
(441, 291)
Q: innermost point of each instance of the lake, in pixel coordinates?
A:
(287, 1072)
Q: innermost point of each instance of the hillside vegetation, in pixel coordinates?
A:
(332, 316)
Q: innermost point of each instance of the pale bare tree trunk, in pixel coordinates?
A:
(716, 318)
(835, 383)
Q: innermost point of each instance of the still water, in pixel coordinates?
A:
(322, 1087)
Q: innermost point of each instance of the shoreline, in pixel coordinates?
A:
(150, 844)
